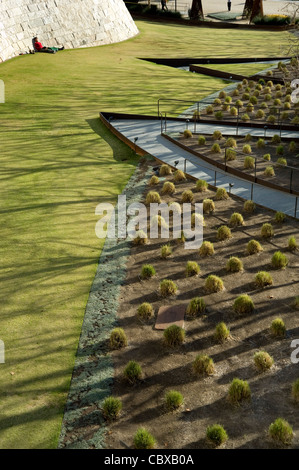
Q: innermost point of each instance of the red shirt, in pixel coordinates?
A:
(38, 46)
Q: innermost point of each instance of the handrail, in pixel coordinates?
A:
(225, 167)
(224, 171)
(178, 5)
(211, 169)
(207, 102)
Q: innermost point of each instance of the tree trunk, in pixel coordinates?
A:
(248, 8)
(253, 8)
(257, 9)
(196, 10)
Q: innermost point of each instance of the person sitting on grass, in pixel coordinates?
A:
(38, 47)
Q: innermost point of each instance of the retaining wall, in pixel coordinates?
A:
(72, 23)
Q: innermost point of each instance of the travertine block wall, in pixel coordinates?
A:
(73, 23)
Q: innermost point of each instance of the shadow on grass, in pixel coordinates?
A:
(121, 152)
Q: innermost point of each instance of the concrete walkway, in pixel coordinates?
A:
(150, 140)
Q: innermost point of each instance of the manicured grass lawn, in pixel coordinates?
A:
(57, 164)
(242, 69)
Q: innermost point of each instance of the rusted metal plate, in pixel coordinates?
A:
(170, 315)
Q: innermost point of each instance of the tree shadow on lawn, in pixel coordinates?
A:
(42, 413)
(38, 273)
(121, 152)
(47, 412)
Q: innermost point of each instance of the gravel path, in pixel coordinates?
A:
(83, 426)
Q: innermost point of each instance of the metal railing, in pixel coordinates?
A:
(163, 122)
(291, 170)
(219, 173)
(195, 114)
(175, 5)
(288, 174)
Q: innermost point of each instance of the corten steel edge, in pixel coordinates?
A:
(186, 61)
(232, 76)
(107, 120)
(193, 64)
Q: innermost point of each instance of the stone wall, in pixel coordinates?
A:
(72, 23)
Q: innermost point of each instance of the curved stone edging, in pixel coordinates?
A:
(83, 426)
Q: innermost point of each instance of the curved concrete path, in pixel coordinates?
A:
(149, 136)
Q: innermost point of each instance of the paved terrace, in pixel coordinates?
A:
(150, 140)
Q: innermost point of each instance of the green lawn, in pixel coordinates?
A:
(242, 69)
(57, 164)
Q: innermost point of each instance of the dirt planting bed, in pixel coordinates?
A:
(261, 102)
(268, 152)
(164, 369)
